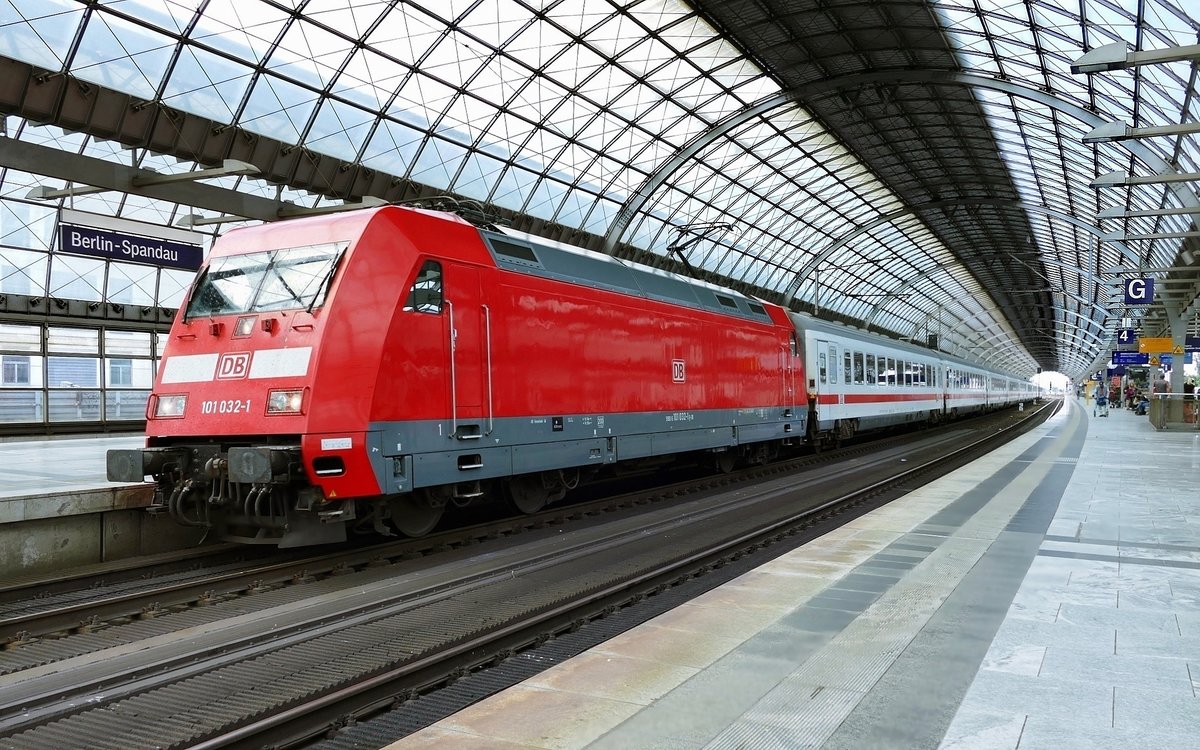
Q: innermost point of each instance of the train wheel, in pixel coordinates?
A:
(414, 515)
(528, 493)
(725, 461)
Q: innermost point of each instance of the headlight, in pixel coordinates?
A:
(285, 402)
(168, 407)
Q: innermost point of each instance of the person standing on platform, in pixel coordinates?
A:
(1189, 401)
(1160, 384)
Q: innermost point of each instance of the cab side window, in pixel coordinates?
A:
(426, 293)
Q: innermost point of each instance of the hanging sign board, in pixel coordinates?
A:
(1130, 358)
(98, 236)
(1127, 339)
(1155, 345)
(1139, 291)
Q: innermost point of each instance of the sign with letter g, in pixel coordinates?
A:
(1139, 291)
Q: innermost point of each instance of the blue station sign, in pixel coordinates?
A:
(1139, 291)
(99, 236)
(1130, 358)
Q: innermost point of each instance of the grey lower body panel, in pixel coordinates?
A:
(429, 453)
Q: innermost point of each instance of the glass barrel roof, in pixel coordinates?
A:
(569, 111)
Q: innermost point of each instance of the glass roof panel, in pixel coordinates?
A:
(369, 79)
(340, 129)
(278, 109)
(245, 29)
(406, 33)
(576, 16)
(574, 65)
(537, 44)
(350, 17)
(207, 84)
(438, 162)
(494, 22)
(566, 109)
(116, 53)
(38, 32)
(309, 55)
(478, 177)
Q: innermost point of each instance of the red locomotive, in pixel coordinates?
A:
(373, 366)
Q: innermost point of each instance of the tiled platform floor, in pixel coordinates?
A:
(36, 467)
(1046, 596)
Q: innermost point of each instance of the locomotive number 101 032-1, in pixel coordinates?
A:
(225, 406)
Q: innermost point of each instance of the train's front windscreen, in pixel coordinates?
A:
(296, 278)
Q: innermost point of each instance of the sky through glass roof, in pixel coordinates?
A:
(571, 111)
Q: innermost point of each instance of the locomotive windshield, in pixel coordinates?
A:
(287, 279)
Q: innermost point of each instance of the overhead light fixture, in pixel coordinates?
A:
(228, 168)
(1122, 237)
(1116, 56)
(188, 221)
(1119, 131)
(1120, 179)
(1157, 269)
(1123, 212)
(43, 193)
(291, 210)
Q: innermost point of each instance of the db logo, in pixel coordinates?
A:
(678, 371)
(233, 366)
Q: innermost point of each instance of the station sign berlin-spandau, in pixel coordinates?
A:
(97, 236)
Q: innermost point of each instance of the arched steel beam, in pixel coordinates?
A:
(996, 311)
(816, 259)
(880, 307)
(665, 170)
(1083, 336)
(1099, 335)
(1066, 370)
(681, 157)
(1074, 332)
(971, 339)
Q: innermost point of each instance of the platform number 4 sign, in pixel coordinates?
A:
(678, 371)
(1127, 336)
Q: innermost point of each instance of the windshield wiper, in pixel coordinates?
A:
(196, 287)
(323, 286)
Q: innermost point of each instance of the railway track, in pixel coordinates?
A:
(51, 608)
(402, 622)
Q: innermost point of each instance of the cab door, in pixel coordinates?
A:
(469, 331)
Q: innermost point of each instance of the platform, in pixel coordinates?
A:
(62, 465)
(57, 508)
(1045, 596)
